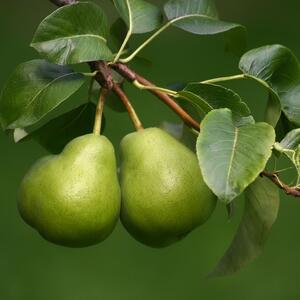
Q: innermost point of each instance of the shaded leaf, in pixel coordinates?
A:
(283, 127)
(34, 89)
(260, 213)
(118, 31)
(58, 132)
(73, 34)
(290, 146)
(232, 155)
(200, 17)
(207, 97)
(139, 15)
(278, 69)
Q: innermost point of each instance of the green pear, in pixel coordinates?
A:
(73, 199)
(164, 196)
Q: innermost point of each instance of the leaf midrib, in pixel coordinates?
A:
(236, 131)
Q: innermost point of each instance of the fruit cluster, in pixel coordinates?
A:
(74, 199)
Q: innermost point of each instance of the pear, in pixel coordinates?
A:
(164, 196)
(73, 199)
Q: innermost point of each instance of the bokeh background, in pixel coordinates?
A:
(121, 268)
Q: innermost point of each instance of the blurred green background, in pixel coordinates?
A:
(120, 268)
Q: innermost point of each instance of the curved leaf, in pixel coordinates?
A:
(260, 213)
(34, 89)
(139, 15)
(277, 68)
(208, 97)
(291, 140)
(231, 156)
(200, 17)
(118, 33)
(290, 146)
(73, 34)
(58, 132)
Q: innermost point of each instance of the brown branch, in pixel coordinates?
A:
(135, 119)
(131, 76)
(293, 191)
(104, 75)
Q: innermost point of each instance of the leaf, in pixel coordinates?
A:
(260, 213)
(118, 33)
(58, 132)
(283, 127)
(232, 155)
(290, 146)
(207, 97)
(278, 69)
(34, 89)
(73, 34)
(291, 140)
(200, 17)
(140, 16)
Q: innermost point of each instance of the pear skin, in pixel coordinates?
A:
(164, 196)
(73, 199)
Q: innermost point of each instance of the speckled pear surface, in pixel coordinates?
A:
(163, 193)
(73, 199)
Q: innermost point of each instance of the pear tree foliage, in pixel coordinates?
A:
(233, 149)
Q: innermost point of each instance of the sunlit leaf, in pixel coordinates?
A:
(232, 155)
(201, 17)
(277, 68)
(73, 34)
(139, 15)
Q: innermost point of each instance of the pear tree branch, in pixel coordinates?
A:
(293, 191)
(130, 75)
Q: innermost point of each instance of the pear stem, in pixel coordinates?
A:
(134, 117)
(99, 111)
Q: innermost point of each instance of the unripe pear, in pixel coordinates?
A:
(164, 196)
(73, 199)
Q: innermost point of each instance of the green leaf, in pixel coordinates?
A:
(232, 155)
(278, 69)
(201, 17)
(260, 213)
(140, 16)
(58, 132)
(34, 89)
(118, 33)
(291, 140)
(290, 146)
(207, 97)
(283, 127)
(73, 34)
